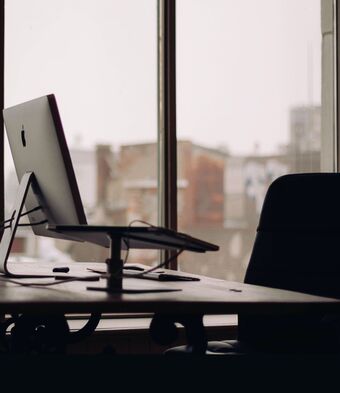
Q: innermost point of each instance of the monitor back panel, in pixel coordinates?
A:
(38, 145)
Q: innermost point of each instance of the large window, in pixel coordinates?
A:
(100, 60)
(249, 109)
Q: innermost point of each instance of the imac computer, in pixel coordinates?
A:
(48, 193)
(37, 142)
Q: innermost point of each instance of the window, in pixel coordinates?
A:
(248, 111)
(255, 87)
(101, 63)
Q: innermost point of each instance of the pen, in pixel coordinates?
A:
(172, 277)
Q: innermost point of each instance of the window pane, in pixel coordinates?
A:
(248, 107)
(100, 60)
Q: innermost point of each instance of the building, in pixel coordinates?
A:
(305, 139)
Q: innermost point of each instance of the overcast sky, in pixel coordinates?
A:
(241, 66)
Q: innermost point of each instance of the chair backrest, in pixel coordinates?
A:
(297, 247)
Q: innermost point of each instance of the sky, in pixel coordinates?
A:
(241, 66)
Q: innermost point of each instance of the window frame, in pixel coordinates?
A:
(330, 14)
(167, 136)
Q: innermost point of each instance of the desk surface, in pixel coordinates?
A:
(207, 296)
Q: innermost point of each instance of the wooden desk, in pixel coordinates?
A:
(195, 299)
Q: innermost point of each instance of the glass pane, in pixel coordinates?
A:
(248, 95)
(100, 61)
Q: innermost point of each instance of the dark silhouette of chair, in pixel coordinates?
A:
(297, 247)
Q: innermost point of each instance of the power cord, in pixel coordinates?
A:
(162, 264)
(140, 274)
(126, 241)
(43, 284)
(10, 220)
(32, 225)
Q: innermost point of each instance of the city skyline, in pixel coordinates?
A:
(219, 195)
(304, 142)
(9, 166)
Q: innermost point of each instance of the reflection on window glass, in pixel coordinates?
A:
(100, 61)
(248, 107)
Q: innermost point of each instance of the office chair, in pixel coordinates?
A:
(297, 247)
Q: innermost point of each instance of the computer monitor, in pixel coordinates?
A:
(37, 142)
(38, 146)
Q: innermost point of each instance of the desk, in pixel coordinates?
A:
(195, 299)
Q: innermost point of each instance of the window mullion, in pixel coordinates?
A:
(167, 117)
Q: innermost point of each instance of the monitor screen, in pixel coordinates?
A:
(37, 142)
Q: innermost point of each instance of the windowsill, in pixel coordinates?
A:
(129, 333)
(122, 323)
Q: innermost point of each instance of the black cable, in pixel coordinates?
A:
(9, 220)
(127, 251)
(142, 222)
(126, 241)
(5, 222)
(34, 224)
(43, 284)
(157, 266)
(31, 211)
(28, 225)
(140, 274)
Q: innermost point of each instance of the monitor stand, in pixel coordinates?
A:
(114, 262)
(10, 229)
